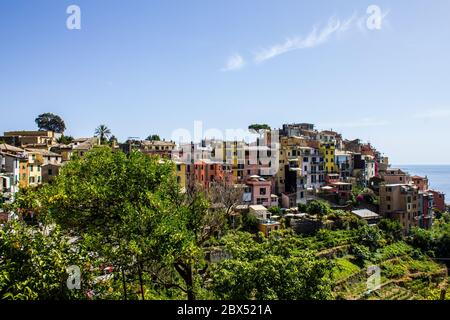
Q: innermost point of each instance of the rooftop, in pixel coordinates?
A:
(365, 214)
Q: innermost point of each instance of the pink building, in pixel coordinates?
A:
(259, 192)
(420, 182)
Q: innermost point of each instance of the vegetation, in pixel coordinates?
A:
(269, 269)
(153, 137)
(50, 122)
(103, 132)
(128, 213)
(258, 128)
(65, 139)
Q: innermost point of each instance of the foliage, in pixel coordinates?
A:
(258, 127)
(50, 122)
(393, 229)
(250, 223)
(34, 263)
(361, 253)
(153, 137)
(302, 207)
(269, 269)
(371, 237)
(275, 210)
(103, 132)
(435, 241)
(135, 214)
(318, 207)
(65, 139)
(343, 269)
(393, 250)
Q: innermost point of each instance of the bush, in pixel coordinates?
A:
(361, 253)
(249, 223)
(275, 210)
(392, 228)
(318, 207)
(302, 207)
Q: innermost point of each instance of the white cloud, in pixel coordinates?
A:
(235, 62)
(314, 38)
(433, 114)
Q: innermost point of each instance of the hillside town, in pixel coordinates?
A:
(278, 174)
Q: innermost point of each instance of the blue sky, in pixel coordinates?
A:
(146, 67)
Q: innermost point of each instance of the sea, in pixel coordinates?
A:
(438, 176)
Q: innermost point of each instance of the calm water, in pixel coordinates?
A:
(438, 176)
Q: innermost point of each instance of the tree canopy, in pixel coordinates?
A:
(269, 269)
(153, 137)
(103, 132)
(50, 122)
(259, 127)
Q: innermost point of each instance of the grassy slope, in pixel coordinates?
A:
(403, 277)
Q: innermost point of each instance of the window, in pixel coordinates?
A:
(50, 172)
(262, 191)
(389, 207)
(31, 167)
(260, 200)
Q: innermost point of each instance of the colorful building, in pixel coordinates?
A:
(400, 202)
(438, 200)
(208, 171)
(426, 214)
(328, 152)
(259, 192)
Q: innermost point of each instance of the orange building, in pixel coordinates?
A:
(207, 171)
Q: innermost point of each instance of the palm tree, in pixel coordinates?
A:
(103, 132)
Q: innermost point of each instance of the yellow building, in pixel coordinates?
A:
(35, 162)
(23, 173)
(181, 174)
(328, 151)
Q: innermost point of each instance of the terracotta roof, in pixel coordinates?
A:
(7, 147)
(45, 153)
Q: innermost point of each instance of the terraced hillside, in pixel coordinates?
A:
(405, 274)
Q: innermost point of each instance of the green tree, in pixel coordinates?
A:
(153, 137)
(318, 207)
(135, 215)
(258, 127)
(50, 122)
(103, 132)
(65, 139)
(34, 264)
(269, 269)
(392, 228)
